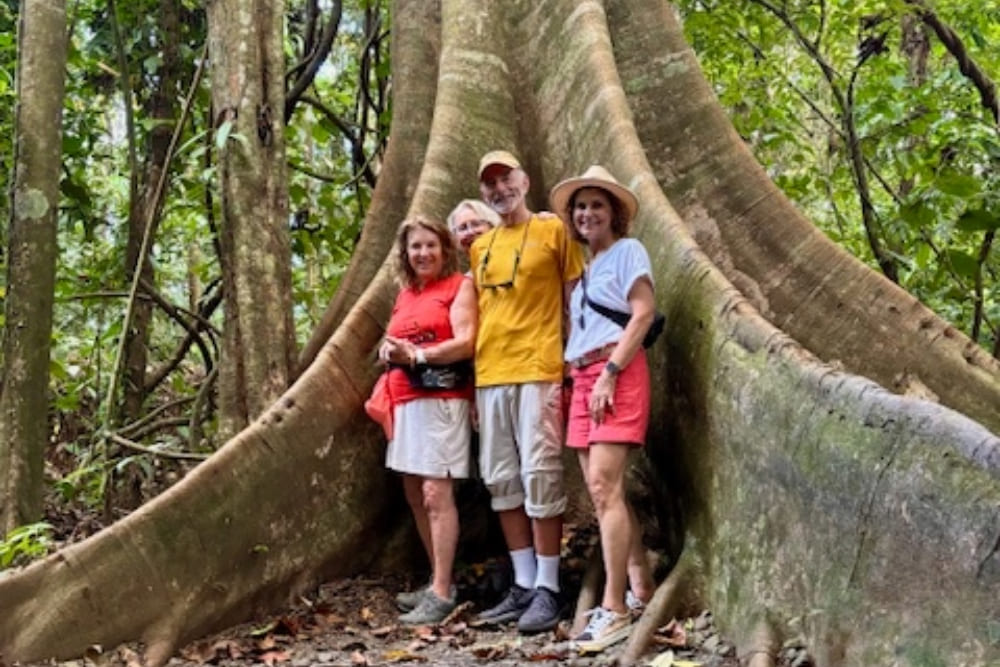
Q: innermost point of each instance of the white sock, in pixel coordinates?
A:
(548, 573)
(525, 568)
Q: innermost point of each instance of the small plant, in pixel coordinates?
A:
(24, 544)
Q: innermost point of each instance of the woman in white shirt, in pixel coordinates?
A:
(609, 408)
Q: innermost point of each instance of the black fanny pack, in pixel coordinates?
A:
(447, 376)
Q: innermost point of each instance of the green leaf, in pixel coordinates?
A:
(963, 263)
(222, 134)
(917, 214)
(977, 220)
(958, 185)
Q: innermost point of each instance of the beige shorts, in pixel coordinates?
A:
(431, 438)
(520, 447)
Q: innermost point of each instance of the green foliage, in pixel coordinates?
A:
(24, 544)
(932, 150)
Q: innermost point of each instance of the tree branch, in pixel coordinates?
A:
(956, 47)
(193, 337)
(130, 428)
(314, 60)
(163, 453)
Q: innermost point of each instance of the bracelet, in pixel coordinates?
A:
(421, 356)
(612, 368)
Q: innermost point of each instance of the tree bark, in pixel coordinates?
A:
(812, 497)
(31, 261)
(162, 109)
(258, 349)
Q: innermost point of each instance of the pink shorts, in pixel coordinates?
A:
(628, 423)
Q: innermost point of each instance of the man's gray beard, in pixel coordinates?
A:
(504, 207)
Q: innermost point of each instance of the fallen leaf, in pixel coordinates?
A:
(672, 634)
(327, 619)
(545, 656)
(288, 625)
(491, 651)
(403, 656)
(367, 614)
(383, 631)
(665, 659)
(358, 658)
(416, 645)
(272, 657)
(267, 643)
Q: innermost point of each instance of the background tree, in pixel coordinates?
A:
(31, 261)
(248, 101)
(811, 499)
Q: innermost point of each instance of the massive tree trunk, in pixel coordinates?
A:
(31, 261)
(248, 99)
(815, 499)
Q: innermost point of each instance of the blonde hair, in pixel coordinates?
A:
(405, 274)
(482, 211)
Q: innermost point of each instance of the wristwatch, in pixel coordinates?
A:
(612, 368)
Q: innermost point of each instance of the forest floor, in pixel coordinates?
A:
(354, 623)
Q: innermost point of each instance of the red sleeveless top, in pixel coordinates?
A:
(423, 317)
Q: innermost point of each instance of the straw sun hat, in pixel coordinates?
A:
(596, 176)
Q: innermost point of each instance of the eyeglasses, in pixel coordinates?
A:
(471, 225)
(513, 273)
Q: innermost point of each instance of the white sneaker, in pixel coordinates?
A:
(604, 629)
(634, 604)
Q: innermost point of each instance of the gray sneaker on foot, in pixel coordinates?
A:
(510, 608)
(542, 614)
(431, 610)
(408, 600)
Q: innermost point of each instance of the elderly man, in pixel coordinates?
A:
(523, 270)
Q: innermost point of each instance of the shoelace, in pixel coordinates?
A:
(600, 618)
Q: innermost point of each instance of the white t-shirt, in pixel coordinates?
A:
(610, 277)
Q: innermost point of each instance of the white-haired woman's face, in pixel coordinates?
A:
(467, 227)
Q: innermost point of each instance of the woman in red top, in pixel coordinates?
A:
(429, 346)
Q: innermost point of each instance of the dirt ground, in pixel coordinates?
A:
(353, 623)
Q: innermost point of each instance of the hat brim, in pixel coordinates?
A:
(563, 191)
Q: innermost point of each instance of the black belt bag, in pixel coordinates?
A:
(447, 376)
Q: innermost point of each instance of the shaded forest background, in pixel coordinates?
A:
(879, 119)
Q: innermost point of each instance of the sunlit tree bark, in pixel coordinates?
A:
(31, 260)
(814, 500)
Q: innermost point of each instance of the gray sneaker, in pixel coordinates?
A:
(510, 608)
(408, 600)
(431, 610)
(542, 614)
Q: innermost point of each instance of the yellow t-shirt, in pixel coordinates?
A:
(519, 272)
